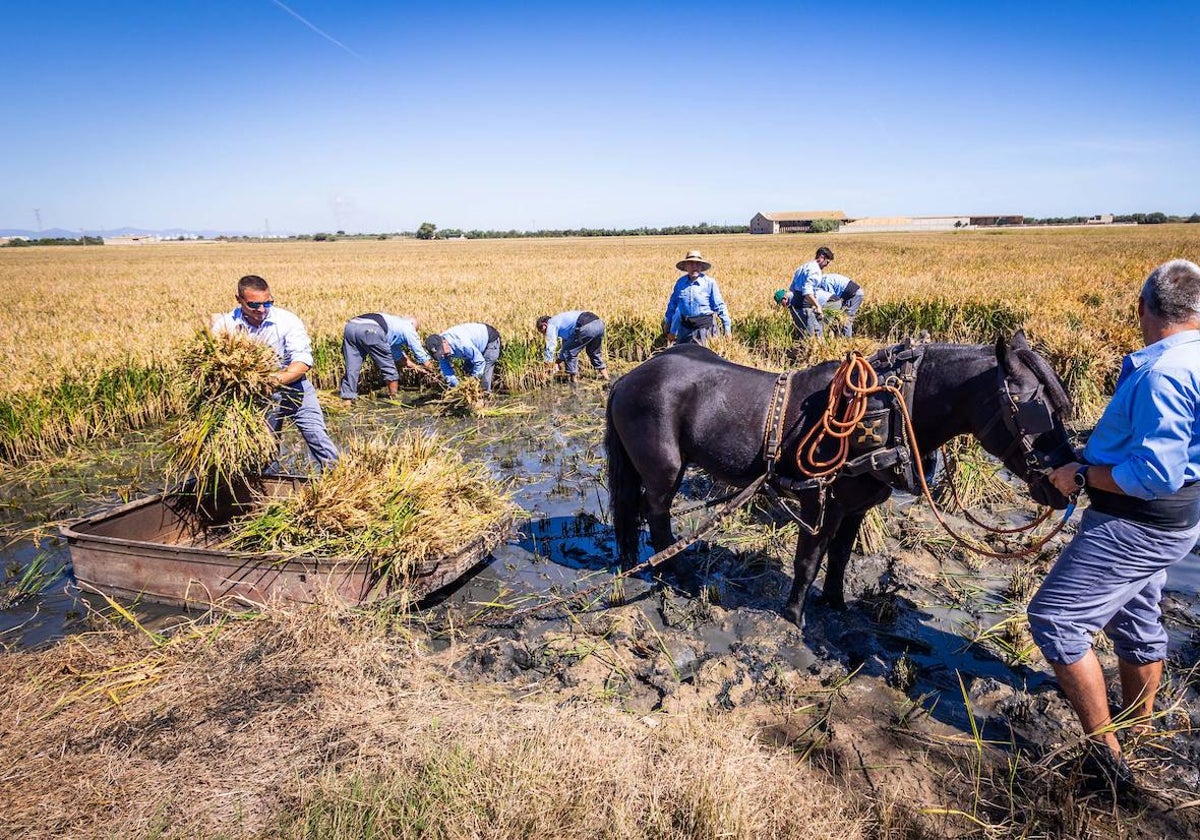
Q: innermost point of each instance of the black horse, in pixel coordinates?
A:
(690, 406)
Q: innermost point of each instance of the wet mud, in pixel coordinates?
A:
(929, 633)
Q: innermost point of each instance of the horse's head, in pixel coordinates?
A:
(1022, 424)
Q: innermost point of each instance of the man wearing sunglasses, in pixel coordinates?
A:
(284, 333)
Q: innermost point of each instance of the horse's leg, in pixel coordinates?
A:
(834, 593)
(659, 492)
(809, 551)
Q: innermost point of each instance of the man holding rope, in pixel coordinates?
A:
(1141, 470)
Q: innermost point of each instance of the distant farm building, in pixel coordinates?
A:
(792, 222)
(1101, 219)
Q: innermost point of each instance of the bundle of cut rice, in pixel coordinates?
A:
(392, 503)
(223, 435)
(465, 398)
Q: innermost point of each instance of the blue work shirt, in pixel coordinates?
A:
(402, 333)
(806, 280)
(560, 326)
(1150, 431)
(692, 298)
(467, 342)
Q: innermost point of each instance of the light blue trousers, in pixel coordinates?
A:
(1110, 577)
(299, 403)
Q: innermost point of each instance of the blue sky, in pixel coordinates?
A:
(311, 115)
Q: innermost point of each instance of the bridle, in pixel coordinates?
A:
(1026, 416)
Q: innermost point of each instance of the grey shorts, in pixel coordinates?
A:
(1110, 577)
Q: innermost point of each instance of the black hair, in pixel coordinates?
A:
(824, 252)
(542, 321)
(252, 281)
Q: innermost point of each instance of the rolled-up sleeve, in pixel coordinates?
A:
(551, 341)
(296, 345)
(409, 336)
(1164, 417)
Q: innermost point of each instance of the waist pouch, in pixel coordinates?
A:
(699, 322)
(377, 318)
(585, 318)
(1177, 512)
(493, 333)
(850, 291)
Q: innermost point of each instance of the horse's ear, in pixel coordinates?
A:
(1018, 341)
(1003, 352)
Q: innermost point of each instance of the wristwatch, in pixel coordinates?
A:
(1081, 476)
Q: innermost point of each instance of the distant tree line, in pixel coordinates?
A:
(57, 240)
(1135, 218)
(673, 230)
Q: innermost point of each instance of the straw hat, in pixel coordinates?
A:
(693, 256)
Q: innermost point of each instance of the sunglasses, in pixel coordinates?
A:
(256, 304)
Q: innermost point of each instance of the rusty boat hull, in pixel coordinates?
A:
(166, 549)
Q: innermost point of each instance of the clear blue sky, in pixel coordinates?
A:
(376, 116)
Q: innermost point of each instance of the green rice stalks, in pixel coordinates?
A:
(394, 504)
(223, 436)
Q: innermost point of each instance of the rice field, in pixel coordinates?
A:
(91, 336)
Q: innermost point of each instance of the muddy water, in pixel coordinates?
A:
(724, 598)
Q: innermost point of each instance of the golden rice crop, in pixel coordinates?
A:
(391, 502)
(223, 435)
(1073, 290)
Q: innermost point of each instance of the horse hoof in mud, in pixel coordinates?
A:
(689, 406)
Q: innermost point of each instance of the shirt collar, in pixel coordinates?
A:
(1152, 352)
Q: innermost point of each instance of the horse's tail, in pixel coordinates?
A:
(624, 492)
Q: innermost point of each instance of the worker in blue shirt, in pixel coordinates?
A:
(383, 338)
(478, 345)
(694, 302)
(577, 330)
(1141, 470)
(295, 399)
(812, 288)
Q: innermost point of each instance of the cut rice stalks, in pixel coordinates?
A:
(396, 504)
(223, 436)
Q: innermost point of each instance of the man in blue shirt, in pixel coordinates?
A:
(383, 338)
(577, 331)
(284, 333)
(1141, 469)
(812, 288)
(694, 302)
(478, 345)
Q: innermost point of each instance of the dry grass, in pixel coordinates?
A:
(319, 725)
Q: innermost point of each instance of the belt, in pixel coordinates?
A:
(376, 317)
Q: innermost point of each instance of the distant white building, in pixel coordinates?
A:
(1101, 219)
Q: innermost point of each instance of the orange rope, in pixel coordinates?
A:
(854, 382)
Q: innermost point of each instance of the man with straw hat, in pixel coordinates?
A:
(283, 332)
(476, 344)
(383, 338)
(694, 302)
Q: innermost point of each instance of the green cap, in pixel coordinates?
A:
(780, 294)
